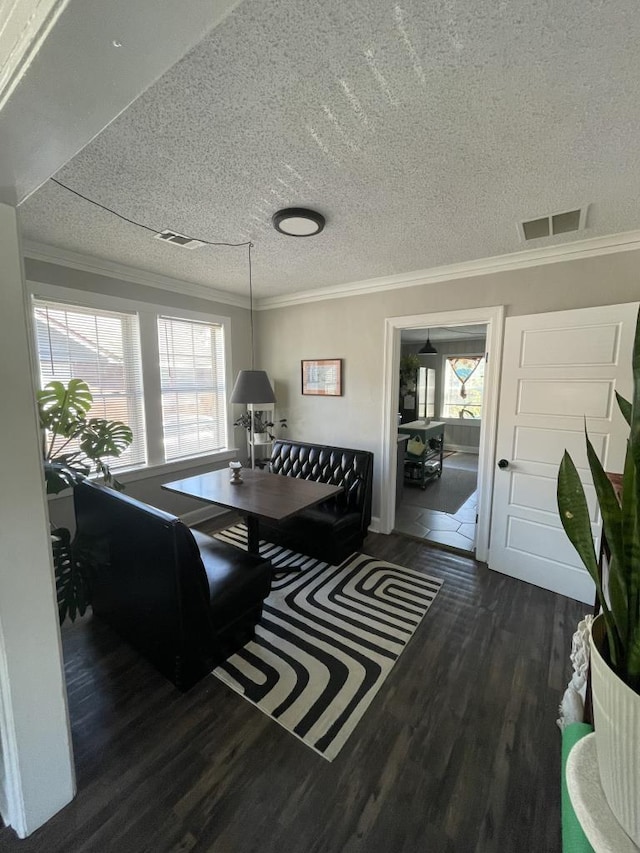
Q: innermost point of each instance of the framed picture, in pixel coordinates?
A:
(322, 377)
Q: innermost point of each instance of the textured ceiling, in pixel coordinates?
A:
(444, 333)
(423, 131)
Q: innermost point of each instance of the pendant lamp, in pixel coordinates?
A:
(252, 386)
(428, 348)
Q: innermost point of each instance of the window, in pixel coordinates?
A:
(180, 361)
(426, 392)
(193, 388)
(463, 386)
(103, 348)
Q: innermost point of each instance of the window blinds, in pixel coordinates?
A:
(103, 349)
(192, 376)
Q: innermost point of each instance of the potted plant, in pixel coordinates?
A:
(615, 639)
(409, 365)
(262, 426)
(73, 446)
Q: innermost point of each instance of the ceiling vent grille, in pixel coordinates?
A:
(178, 239)
(553, 224)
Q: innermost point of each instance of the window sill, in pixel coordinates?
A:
(132, 475)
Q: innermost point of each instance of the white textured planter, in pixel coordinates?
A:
(616, 714)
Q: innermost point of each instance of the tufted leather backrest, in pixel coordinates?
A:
(338, 466)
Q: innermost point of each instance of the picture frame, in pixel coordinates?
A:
(322, 377)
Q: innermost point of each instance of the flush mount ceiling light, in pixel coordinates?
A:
(428, 348)
(298, 222)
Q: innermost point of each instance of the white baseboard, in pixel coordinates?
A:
(460, 448)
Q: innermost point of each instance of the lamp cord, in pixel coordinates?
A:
(249, 247)
(133, 222)
(248, 244)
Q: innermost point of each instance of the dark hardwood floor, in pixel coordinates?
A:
(459, 751)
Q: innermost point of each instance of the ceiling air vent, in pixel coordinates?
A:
(553, 224)
(178, 239)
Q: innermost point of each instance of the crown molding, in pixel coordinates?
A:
(611, 243)
(24, 29)
(123, 272)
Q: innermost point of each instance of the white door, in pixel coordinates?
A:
(557, 369)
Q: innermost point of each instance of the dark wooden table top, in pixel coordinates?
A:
(260, 494)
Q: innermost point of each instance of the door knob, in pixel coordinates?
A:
(503, 463)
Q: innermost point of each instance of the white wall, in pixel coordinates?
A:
(37, 768)
(352, 328)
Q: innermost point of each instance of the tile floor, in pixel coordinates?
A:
(455, 530)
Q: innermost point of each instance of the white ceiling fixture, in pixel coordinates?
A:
(178, 239)
(554, 224)
(298, 222)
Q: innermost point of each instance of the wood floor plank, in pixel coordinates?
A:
(458, 752)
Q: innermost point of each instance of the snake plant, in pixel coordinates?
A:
(620, 601)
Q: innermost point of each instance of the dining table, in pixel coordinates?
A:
(260, 494)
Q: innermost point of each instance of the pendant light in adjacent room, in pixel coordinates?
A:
(428, 348)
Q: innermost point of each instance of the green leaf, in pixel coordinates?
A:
(634, 436)
(105, 438)
(631, 554)
(625, 407)
(607, 500)
(64, 472)
(62, 408)
(71, 587)
(612, 524)
(574, 515)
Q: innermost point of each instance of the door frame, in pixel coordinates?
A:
(493, 317)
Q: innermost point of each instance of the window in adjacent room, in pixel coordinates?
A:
(426, 392)
(103, 348)
(192, 376)
(463, 386)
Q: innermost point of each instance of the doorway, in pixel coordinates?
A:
(440, 405)
(493, 319)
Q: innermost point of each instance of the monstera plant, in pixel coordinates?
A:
(74, 446)
(73, 443)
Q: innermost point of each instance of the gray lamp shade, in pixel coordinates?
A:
(252, 386)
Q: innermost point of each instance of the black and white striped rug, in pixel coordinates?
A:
(328, 638)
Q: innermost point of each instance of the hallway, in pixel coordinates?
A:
(456, 528)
